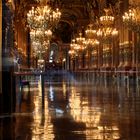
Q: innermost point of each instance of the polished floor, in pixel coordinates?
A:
(74, 110)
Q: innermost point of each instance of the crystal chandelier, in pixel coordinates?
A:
(40, 41)
(38, 49)
(80, 43)
(40, 35)
(80, 40)
(74, 45)
(36, 17)
(41, 20)
(48, 33)
(107, 19)
(90, 33)
(73, 48)
(72, 52)
(91, 42)
(106, 30)
(131, 18)
(43, 17)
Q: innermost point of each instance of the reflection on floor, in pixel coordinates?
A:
(74, 110)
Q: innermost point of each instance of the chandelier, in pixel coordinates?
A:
(106, 30)
(72, 52)
(90, 33)
(74, 45)
(40, 35)
(40, 41)
(43, 17)
(80, 40)
(38, 49)
(41, 20)
(131, 18)
(91, 42)
(36, 17)
(107, 20)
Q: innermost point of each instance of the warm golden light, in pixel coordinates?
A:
(43, 17)
(107, 30)
(71, 52)
(41, 20)
(90, 43)
(80, 40)
(90, 33)
(131, 18)
(107, 20)
(91, 117)
(42, 126)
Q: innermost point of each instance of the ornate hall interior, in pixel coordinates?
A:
(69, 69)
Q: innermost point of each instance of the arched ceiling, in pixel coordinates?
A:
(72, 10)
(75, 13)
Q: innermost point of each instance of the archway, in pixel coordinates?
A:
(63, 32)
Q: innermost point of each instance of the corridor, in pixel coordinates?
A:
(74, 110)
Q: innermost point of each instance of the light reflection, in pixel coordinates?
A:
(39, 86)
(51, 93)
(42, 128)
(91, 117)
(87, 112)
(64, 88)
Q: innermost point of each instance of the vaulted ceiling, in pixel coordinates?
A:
(76, 14)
